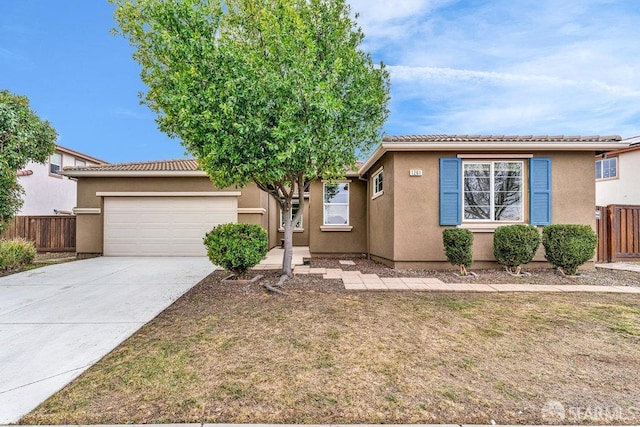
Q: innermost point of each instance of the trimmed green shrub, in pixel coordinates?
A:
(236, 247)
(515, 245)
(457, 247)
(568, 246)
(16, 253)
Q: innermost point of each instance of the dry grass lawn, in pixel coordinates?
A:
(226, 353)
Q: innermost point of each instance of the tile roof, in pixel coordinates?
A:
(179, 165)
(500, 138)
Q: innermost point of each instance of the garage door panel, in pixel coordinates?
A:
(163, 226)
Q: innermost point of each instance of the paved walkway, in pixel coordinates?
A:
(56, 321)
(273, 260)
(355, 280)
(620, 266)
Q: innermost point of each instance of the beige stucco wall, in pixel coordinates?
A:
(381, 210)
(300, 238)
(339, 242)
(413, 212)
(625, 189)
(89, 227)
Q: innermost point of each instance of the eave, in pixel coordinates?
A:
(486, 147)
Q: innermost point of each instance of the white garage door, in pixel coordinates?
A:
(163, 226)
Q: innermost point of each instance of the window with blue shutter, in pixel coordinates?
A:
(540, 191)
(450, 197)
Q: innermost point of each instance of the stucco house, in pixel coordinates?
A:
(618, 175)
(393, 208)
(47, 191)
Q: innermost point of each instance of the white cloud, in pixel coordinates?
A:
(532, 66)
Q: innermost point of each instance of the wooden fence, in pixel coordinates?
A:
(618, 233)
(53, 233)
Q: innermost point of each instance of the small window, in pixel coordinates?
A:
(55, 163)
(336, 204)
(493, 191)
(607, 168)
(294, 210)
(80, 163)
(378, 186)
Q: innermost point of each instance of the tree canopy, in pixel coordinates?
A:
(24, 137)
(276, 92)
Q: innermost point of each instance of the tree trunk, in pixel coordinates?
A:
(289, 222)
(288, 241)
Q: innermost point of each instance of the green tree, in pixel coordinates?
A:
(23, 138)
(276, 92)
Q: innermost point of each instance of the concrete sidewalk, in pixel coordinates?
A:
(625, 266)
(56, 321)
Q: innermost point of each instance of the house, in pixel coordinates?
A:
(47, 191)
(618, 175)
(393, 208)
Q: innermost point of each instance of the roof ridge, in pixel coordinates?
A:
(465, 137)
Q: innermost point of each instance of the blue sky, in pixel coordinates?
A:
(525, 67)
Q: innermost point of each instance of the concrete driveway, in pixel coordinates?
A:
(56, 321)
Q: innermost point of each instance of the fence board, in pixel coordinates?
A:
(602, 228)
(50, 233)
(621, 239)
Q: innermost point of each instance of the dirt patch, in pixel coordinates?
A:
(225, 353)
(54, 256)
(42, 260)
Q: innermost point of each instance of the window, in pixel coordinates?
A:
(336, 204)
(80, 163)
(294, 210)
(55, 163)
(607, 168)
(378, 184)
(493, 191)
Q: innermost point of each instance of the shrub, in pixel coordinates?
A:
(236, 247)
(515, 245)
(457, 247)
(568, 246)
(16, 253)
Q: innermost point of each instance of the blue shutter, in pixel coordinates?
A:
(540, 191)
(450, 188)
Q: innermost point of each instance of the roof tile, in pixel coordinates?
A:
(500, 138)
(180, 165)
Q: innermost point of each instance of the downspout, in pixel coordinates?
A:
(368, 216)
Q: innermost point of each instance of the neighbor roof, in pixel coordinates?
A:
(492, 143)
(79, 154)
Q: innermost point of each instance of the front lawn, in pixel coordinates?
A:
(235, 354)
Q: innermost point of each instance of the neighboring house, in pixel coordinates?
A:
(392, 209)
(618, 175)
(47, 191)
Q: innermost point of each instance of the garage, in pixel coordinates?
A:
(164, 226)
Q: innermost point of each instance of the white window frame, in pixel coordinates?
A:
(296, 227)
(80, 163)
(51, 163)
(600, 167)
(492, 192)
(378, 181)
(325, 204)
